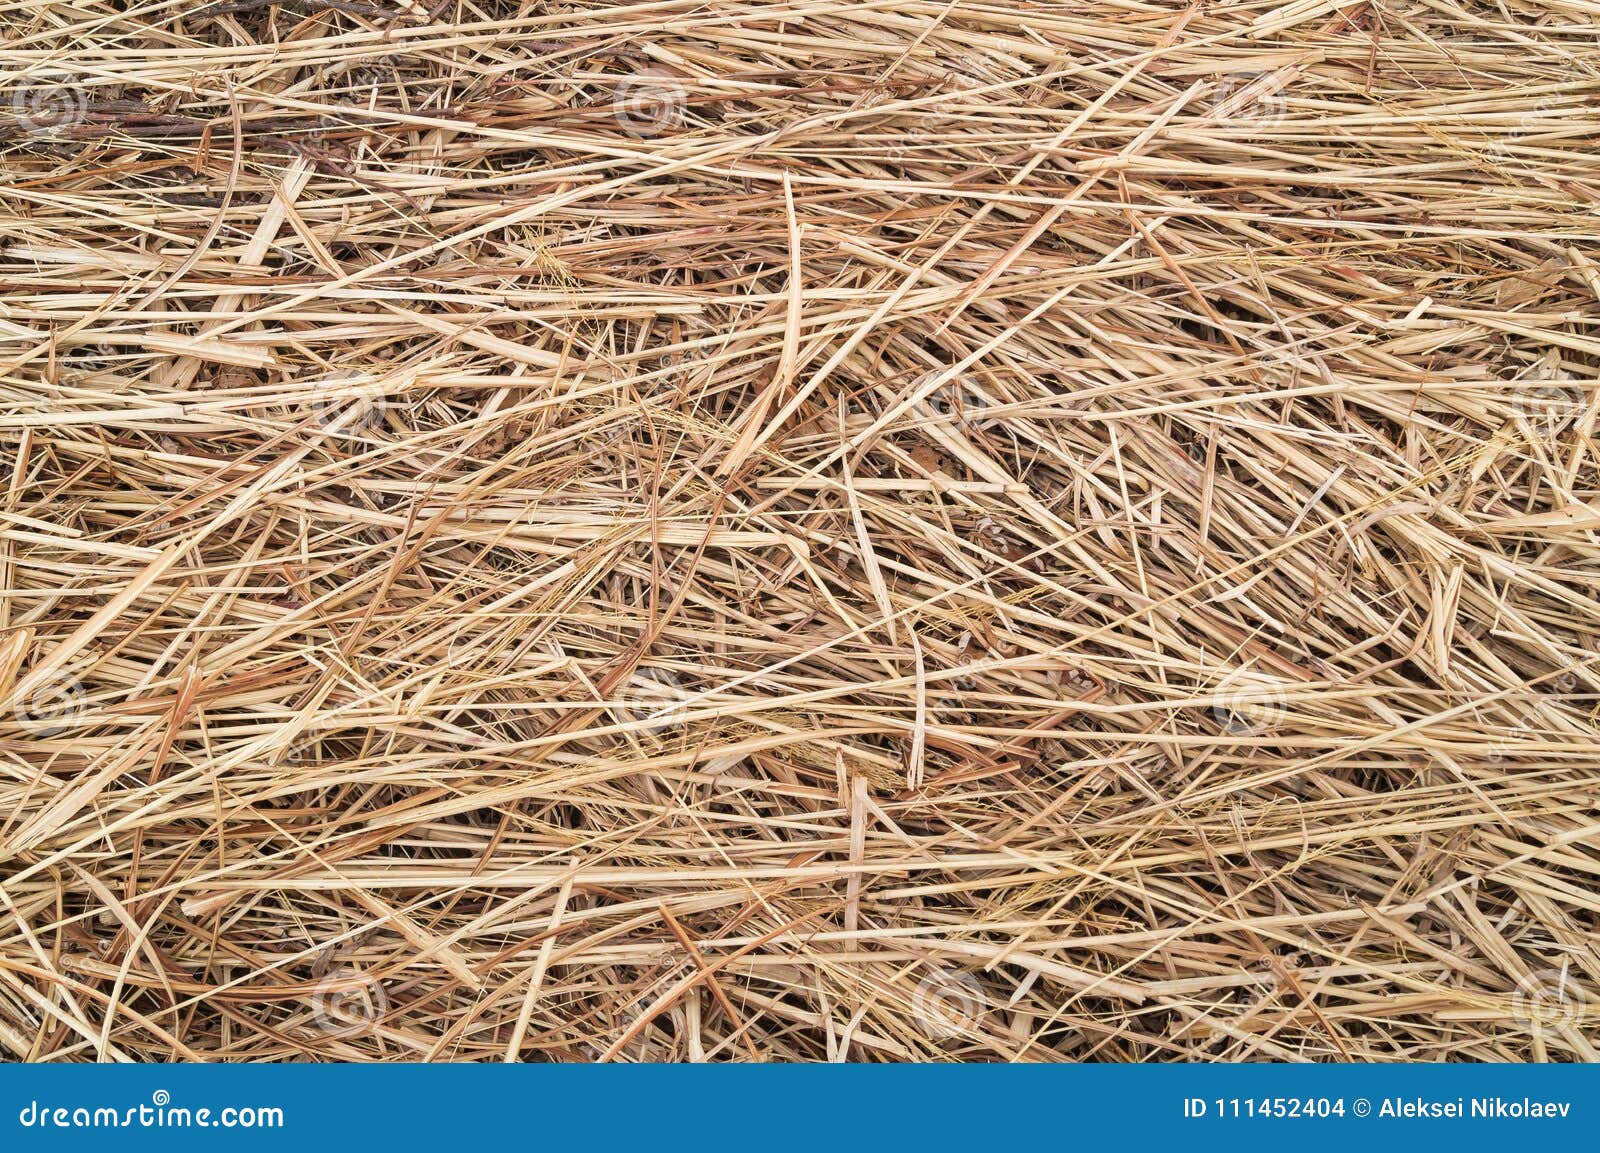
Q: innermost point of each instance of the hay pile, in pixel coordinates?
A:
(752, 531)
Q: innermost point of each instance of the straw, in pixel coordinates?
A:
(878, 531)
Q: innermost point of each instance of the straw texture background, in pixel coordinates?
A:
(972, 530)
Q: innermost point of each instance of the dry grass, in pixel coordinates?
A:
(861, 531)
